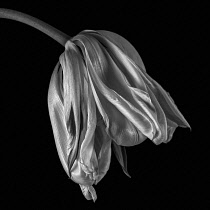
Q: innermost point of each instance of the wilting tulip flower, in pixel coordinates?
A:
(101, 95)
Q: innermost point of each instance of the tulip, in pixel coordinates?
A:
(101, 97)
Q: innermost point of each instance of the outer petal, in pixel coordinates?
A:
(56, 111)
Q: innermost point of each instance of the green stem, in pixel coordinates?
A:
(52, 32)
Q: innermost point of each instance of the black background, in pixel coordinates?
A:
(170, 39)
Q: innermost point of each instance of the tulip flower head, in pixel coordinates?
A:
(101, 97)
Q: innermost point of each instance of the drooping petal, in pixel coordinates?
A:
(102, 147)
(56, 111)
(120, 153)
(129, 80)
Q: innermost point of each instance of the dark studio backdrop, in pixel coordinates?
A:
(168, 38)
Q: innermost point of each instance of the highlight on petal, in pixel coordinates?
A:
(103, 100)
